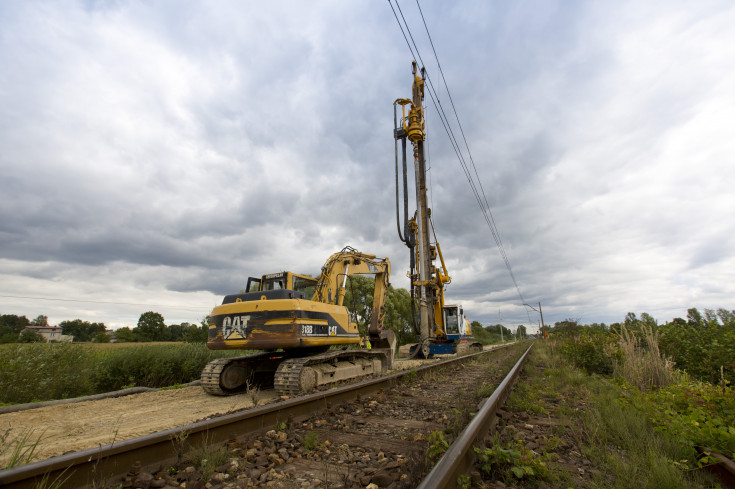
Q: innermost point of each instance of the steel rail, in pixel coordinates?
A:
(460, 456)
(96, 466)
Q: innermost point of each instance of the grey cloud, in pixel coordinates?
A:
(221, 142)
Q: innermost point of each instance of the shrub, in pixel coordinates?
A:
(485, 337)
(514, 462)
(152, 365)
(693, 412)
(41, 371)
(706, 352)
(594, 352)
(44, 371)
(31, 336)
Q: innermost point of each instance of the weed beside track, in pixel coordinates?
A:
(564, 428)
(46, 371)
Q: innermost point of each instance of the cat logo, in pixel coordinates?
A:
(235, 327)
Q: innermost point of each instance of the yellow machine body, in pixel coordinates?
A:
(290, 311)
(264, 324)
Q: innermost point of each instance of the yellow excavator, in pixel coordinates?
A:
(297, 320)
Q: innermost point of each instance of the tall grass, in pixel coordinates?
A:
(641, 363)
(40, 371)
(18, 450)
(152, 366)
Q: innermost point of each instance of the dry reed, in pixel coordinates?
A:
(642, 364)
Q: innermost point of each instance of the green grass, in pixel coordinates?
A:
(44, 371)
(18, 450)
(618, 439)
(311, 441)
(208, 457)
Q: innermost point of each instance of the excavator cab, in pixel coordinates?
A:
(282, 281)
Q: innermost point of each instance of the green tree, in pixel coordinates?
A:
(101, 337)
(41, 320)
(694, 318)
(710, 318)
(196, 334)
(678, 322)
(124, 335)
(81, 330)
(521, 332)
(398, 316)
(359, 290)
(31, 336)
(151, 327)
(497, 329)
(702, 347)
(631, 322)
(11, 326)
(726, 316)
(648, 321)
(175, 332)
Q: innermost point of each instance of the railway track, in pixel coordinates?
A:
(387, 431)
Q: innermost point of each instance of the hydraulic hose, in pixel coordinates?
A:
(395, 138)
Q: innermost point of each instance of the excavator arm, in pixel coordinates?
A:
(331, 284)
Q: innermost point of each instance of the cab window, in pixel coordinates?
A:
(274, 283)
(451, 321)
(304, 284)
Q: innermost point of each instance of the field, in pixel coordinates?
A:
(40, 371)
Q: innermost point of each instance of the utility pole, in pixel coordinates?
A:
(540, 312)
(500, 318)
(543, 327)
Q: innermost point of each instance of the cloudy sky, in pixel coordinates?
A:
(153, 155)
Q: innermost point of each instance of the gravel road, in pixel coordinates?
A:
(77, 426)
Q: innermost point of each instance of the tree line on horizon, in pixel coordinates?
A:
(703, 344)
(151, 327)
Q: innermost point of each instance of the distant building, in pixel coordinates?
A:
(52, 334)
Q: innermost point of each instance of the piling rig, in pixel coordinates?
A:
(441, 328)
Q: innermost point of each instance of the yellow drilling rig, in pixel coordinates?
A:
(442, 328)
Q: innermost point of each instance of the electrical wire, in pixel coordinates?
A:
(99, 302)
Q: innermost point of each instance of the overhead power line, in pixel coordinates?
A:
(473, 181)
(101, 302)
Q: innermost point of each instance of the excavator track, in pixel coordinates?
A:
(301, 375)
(229, 376)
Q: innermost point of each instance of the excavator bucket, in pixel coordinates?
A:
(385, 342)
